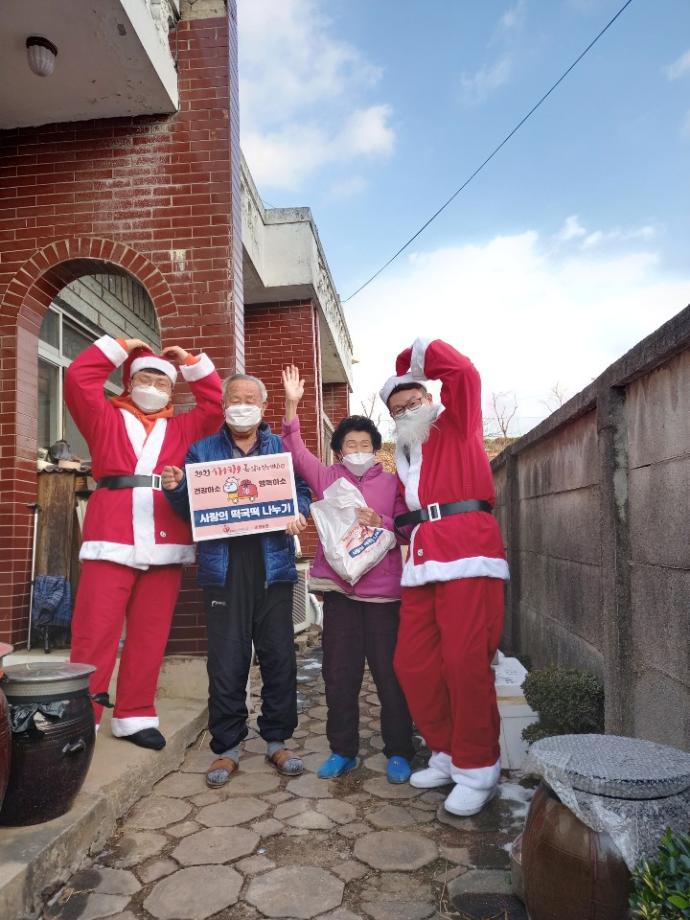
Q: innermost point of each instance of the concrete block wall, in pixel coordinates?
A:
(154, 197)
(595, 504)
(657, 410)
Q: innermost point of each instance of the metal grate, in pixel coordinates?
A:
(300, 599)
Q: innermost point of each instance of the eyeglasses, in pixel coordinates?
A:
(159, 381)
(412, 404)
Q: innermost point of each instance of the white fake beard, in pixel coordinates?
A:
(415, 427)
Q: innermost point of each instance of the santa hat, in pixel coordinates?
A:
(142, 359)
(397, 380)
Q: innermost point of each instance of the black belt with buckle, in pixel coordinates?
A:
(434, 511)
(130, 482)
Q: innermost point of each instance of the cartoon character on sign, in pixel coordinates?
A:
(230, 487)
(248, 491)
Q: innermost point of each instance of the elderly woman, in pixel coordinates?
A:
(360, 621)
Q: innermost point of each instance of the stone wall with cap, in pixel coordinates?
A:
(594, 504)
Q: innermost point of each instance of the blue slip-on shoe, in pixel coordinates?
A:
(398, 770)
(336, 765)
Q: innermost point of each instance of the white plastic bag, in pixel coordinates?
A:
(350, 548)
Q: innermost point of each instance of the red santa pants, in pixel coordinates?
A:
(448, 636)
(108, 595)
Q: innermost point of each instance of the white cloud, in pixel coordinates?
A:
(526, 318)
(617, 235)
(679, 67)
(513, 16)
(571, 229)
(477, 87)
(301, 93)
(286, 157)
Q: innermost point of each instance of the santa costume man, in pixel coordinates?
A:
(452, 600)
(134, 545)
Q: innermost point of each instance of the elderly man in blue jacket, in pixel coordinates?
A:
(248, 583)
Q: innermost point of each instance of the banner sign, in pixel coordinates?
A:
(229, 498)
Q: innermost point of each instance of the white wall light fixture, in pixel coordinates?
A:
(41, 54)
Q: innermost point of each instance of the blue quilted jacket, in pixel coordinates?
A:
(215, 556)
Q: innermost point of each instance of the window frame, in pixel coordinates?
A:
(55, 357)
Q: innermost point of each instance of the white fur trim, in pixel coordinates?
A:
(143, 521)
(135, 432)
(394, 382)
(471, 567)
(112, 349)
(197, 371)
(439, 760)
(478, 778)
(123, 727)
(124, 553)
(158, 364)
(418, 355)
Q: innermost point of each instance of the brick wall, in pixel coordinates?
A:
(336, 401)
(288, 333)
(157, 197)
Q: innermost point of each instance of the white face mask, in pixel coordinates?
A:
(243, 417)
(359, 463)
(149, 399)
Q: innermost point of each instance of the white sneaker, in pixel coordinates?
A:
(464, 801)
(438, 773)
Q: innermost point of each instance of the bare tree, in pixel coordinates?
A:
(502, 410)
(369, 409)
(556, 397)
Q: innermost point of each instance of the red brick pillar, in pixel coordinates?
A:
(288, 333)
(157, 197)
(336, 401)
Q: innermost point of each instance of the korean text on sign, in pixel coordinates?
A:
(228, 498)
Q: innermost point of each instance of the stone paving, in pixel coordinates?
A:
(269, 846)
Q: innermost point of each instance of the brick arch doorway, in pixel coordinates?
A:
(26, 303)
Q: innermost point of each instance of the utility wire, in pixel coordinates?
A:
(492, 154)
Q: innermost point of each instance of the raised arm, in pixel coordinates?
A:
(461, 388)
(86, 376)
(305, 463)
(198, 370)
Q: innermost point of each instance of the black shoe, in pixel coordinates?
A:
(147, 738)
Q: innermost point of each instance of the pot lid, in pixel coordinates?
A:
(612, 765)
(41, 672)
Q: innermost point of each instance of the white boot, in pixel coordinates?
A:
(436, 774)
(473, 789)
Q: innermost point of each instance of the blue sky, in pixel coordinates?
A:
(570, 246)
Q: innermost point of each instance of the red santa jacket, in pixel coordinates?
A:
(450, 466)
(136, 527)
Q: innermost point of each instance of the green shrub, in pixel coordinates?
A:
(568, 702)
(661, 888)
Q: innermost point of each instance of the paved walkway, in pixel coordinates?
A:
(268, 846)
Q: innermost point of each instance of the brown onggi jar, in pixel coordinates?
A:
(53, 737)
(569, 871)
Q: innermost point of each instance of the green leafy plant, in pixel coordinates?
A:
(661, 888)
(568, 701)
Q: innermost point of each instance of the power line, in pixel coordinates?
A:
(493, 152)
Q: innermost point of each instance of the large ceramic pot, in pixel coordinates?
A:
(570, 872)
(5, 735)
(53, 737)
